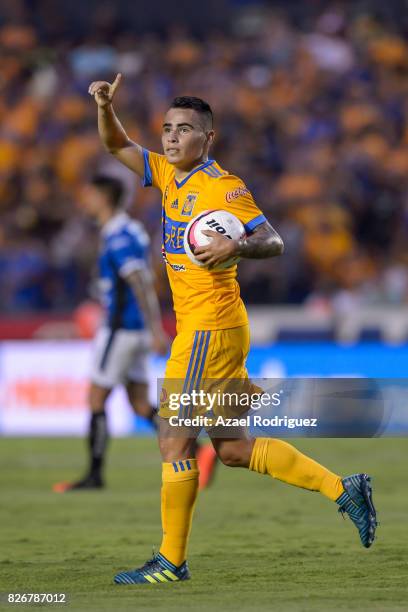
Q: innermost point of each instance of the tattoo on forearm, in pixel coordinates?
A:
(264, 242)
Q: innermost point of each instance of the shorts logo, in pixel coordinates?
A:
(189, 204)
(233, 195)
(166, 193)
(174, 204)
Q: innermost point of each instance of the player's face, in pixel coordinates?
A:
(93, 200)
(185, 139)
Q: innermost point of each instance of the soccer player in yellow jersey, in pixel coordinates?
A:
(212, 327)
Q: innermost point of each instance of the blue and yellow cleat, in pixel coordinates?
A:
(155, 571)
(357, 502)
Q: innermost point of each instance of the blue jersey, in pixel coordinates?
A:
(124, 248)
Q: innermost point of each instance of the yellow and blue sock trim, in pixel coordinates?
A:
(182, 466)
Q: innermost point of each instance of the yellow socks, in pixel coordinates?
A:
(282, 461)
(178, 495)
(269, 456)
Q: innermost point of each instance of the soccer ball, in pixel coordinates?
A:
(219, 221)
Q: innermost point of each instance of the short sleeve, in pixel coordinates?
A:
(127, 254)
(155, 168)
(233, 195)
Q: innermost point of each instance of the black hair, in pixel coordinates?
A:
(111, 187)
(197, 104)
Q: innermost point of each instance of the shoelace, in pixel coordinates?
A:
(151, 562)
(342, 511)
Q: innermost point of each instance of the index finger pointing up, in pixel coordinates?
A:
(116, 82)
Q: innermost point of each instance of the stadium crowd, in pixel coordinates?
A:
(312, 114)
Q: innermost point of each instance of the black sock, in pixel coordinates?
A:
(98, 439)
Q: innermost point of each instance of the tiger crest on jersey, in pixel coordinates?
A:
(189, 204)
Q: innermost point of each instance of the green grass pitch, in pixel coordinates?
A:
(257, 544)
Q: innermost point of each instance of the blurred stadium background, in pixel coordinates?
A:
(311, 110)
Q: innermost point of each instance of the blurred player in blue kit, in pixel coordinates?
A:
(132, 326)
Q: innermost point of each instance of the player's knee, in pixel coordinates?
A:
(230, 459)
(175, 449)
(235, 454)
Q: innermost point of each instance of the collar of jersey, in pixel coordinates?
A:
(184, 181)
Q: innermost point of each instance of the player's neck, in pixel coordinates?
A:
(181, 173)
(105, 216)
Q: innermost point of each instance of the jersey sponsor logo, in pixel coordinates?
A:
(189, 204)
(236, 193)
(174, 204)
(173, 235)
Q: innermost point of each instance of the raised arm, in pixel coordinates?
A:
(111, 131)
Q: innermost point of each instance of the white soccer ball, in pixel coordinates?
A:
(219, 221)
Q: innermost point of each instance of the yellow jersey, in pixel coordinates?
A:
(203, 299)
